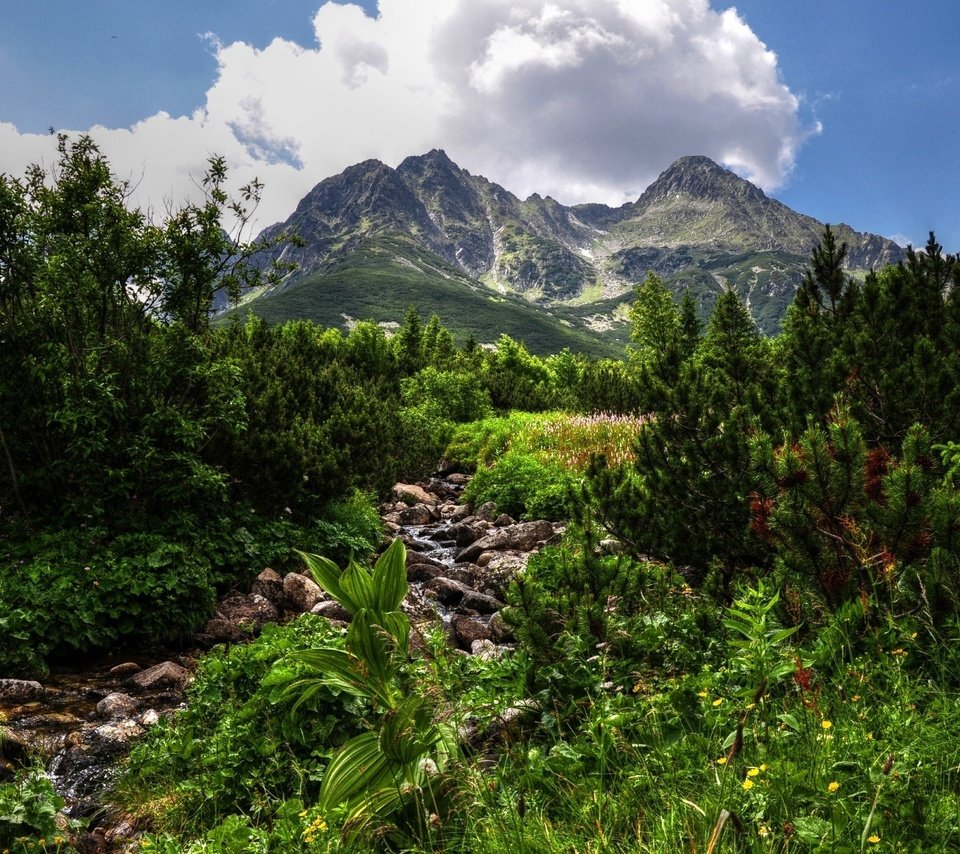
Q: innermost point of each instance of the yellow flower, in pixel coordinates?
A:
(753, 772)
(722, 760)
(833, 786)
(763, 766)
(718, 701)
(855, 698)
(747, 784)
(763, 831)
(826, 724)
(873, 839)
(702, 693)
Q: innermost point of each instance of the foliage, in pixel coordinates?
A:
(29, 807)
(393, 763)
(853, 522)
(240, 746)
(523, 487)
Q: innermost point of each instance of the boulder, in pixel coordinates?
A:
(468, 630)
(422, 572)
(524, 537)
(239, 617)
(419, 514)
(500, 632)
(469, 531)
(487, 650)
(332, 611)
(300, 593)
(125, 669)
(446, 590)
(269, 585)
(166, 675)
(20, 690)
(411, 493)
(117, 705)
(486, 511)
(458, 478)
(503, 521)
(480, 602)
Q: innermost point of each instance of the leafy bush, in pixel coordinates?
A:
(523, 487)
(29, 807)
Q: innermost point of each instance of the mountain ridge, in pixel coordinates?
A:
(698, 225)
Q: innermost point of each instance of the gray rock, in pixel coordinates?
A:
(458, 478)
(446, 590)
(300, 593)
(117, 705)
(503, 521)
(486, 511)
(411, 493)
(487, 650)
(332, 611)
(166, 675)
(269, 585)
(419, 514)
(499, 630)
(151, 717)
(468, 630)
(469, 531)
(239, 617)
(421, 572)
(524, 536)
(116, 733)
(20, 690)
(480, 602)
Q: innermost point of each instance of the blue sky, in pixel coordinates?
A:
(851, 113)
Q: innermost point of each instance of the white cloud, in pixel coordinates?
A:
(585, 100)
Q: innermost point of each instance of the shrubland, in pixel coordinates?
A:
(745, 641)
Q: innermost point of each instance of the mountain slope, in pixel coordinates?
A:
(698, 225)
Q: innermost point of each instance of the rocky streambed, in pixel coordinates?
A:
(81, 722)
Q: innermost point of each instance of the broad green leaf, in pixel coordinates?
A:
(338, 669)
(390, 578)
(366, 640)
(357, 583)
(328, 575)
(397, 624)
(359, 766)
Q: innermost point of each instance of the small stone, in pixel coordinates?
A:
(149, 718)
(499, 630)
(487, 650)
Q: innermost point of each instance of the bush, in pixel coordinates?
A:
(523, 487)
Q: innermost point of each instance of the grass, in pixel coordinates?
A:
(383, 278)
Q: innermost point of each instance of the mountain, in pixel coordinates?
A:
(443, 236)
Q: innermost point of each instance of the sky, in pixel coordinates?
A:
(846, 111)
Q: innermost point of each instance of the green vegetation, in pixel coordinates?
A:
(744, 641)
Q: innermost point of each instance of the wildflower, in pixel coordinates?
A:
(702, 694)
(722, 760)
(826, 724)
(873, 839)
(763, 766)
(763, 831)
(833, 786)
(855, 698)
(747, 784)
(898, 651)
(718, 701)
(752, 772)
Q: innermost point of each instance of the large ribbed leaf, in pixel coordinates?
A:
(329, 576)
(397, 625)
(408, 732)
(368, 642)
(336, 668)
(359, 766)
(357, 582)
(390, 578)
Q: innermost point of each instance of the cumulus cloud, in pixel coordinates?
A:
(584, 100)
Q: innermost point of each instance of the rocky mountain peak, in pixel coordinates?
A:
(698, 177)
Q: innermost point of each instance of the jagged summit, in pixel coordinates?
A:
(699, 177)
(699, 225)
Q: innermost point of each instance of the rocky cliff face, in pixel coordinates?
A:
(698, 225)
